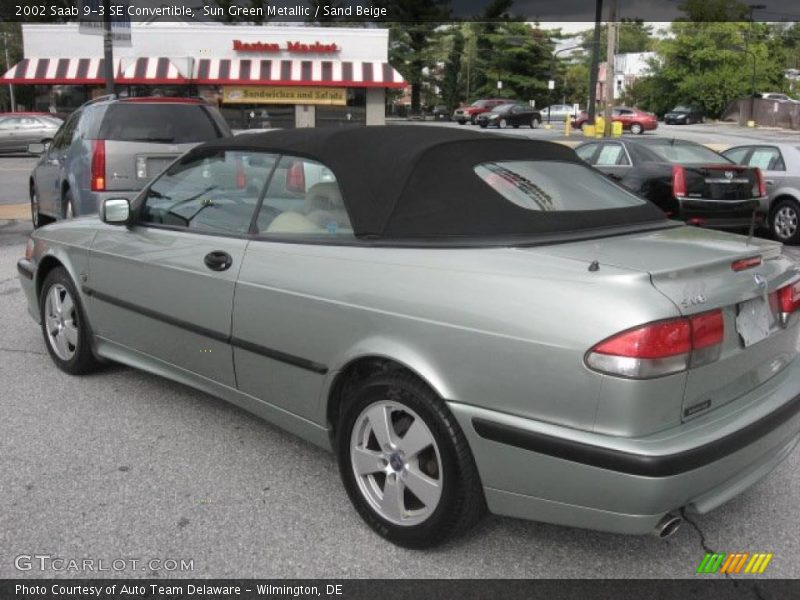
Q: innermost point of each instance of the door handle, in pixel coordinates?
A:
(218, 260)
(770, 182)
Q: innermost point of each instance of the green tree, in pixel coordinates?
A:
(634, 36)
(451, 83)
(411, 37)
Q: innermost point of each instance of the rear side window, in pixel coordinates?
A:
(687, 153)
(158, 123)
(551, 186)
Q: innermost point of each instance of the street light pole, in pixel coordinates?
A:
(108, 47)
(8, 66)
(598, 17)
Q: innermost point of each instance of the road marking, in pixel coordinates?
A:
(15, 211)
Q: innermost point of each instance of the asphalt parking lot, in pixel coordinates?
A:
(123, 464)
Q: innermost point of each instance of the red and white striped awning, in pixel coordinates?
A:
(327, 73)
(75, 71)
(152, 70)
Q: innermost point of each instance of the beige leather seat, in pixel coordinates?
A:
(292, 222)
(325, 207)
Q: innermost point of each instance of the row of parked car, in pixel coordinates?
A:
(112, 147)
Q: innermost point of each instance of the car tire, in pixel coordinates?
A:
(68, 205)
(64, 326)
(785, 221)
(534, 123)
(460, 122)
(637, 129)
(37, 218)
(484, 124)
(441, 464)
(502, 124)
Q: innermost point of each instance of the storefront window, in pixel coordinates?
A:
(355, 113)
(259, 116)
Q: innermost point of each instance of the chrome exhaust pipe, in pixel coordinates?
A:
(667, 526)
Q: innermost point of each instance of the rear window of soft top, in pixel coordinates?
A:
(158, 123)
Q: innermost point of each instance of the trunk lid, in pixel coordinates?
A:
(693, 268)
(721, 182)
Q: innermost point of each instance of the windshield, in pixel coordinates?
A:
(687, 153)
(552, 186)
(479, 103)
(502, 108)
(681, 108)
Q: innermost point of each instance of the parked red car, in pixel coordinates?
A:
(632, 119)
(471, 112)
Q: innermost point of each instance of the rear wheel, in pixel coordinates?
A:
(405, 462)
(460, 122)
(68, 205)
(484, 124)
(534, 123)
(637, 129)
(64, 326)
(785, 221)
(502, 124)
(37, 218)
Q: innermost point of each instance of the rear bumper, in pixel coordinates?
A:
(722, 214)
(545, 472)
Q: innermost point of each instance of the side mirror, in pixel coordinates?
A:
(37, 149)
(116, 211)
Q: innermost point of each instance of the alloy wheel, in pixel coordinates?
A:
(61, 322)
(636, 128)
(68, 213)
(785, 222)
(34, 208)
(502, 123)
(396, 462)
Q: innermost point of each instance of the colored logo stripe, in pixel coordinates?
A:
(733, 563)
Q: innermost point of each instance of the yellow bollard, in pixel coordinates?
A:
(616, 129)
(567, 127)
(599, 126)
(751, 123)
(588, 130)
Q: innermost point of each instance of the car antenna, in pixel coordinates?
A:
(752, 228)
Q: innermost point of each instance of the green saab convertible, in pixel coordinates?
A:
(468, 321)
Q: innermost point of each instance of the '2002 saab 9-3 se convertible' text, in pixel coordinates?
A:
(468, 321)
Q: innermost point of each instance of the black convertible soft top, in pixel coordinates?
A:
(410, 181)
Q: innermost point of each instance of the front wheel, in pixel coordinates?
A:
(785, 221)
(502, 124)
(534, 123)
(64, 326)
(405, 462)
(484, 124)
(637, 129)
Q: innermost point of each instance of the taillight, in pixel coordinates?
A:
(661, 348)
(760, 187)
(746, 263)
(241, 178)
(789, 298)
(678, 181)
(29, 249)
(698, 221)
(98, 166)
(296, 178)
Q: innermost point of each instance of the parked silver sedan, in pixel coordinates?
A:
(18, 130)
(467, 320)
(780, 164)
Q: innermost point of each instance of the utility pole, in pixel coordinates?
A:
(108, 47)
(598, 19)
(610, 67)
(8, 66)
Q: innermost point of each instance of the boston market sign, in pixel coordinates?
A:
(292, 47)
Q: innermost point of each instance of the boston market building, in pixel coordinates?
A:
(259, 76)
